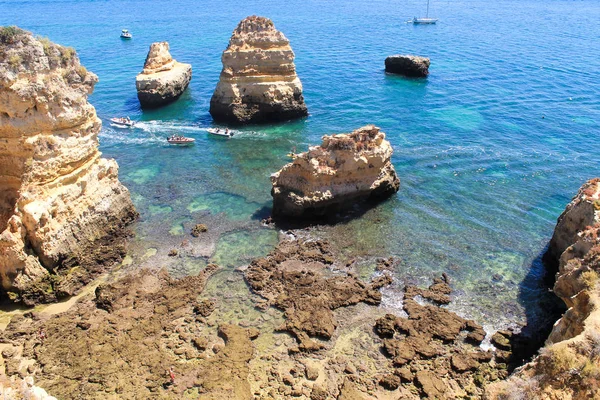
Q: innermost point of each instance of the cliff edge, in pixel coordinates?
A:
(58, 197)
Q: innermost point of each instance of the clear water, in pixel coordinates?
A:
(489, 148)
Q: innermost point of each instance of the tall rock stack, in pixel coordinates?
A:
(163, 79)
(57, 195)
(344, 169)
(258, 82)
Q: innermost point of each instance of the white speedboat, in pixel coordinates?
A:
(180, 140)
(125, 34)
(124, 122)
(220, 132)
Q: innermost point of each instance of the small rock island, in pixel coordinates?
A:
(163, 79)
(258, 82)
(344, 169)
(61, 203)
(408, 65)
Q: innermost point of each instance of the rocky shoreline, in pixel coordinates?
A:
(318, 330)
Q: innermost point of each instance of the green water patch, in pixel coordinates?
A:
(159, 209)
(241, 247)
(459, 117)
(235, 207)
(177, 228)
(143, 175)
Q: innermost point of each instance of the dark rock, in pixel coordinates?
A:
(198, 229)
(407, 65)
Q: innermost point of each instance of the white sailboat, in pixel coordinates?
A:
(426, 20)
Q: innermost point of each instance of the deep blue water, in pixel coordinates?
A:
(489, 148)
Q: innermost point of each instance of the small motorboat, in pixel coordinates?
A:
(124, 122)
(180, 140)
(125, 34)
(220, 132)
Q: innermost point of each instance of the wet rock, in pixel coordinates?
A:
(198, 229)
(294, 277)
(407, 65)
(204, 308)
(501, 340)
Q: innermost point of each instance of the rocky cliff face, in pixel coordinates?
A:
(57, 195)
(258, 82)
(568, 367)
(163, 79)
(344, 169)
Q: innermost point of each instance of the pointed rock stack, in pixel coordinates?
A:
(58, 197)
(163, 79)
(344, 169)
(258, 82)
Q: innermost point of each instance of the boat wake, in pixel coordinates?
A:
(157, 131)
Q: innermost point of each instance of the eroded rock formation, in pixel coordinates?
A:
(163, 79)
(58, 198)
(436, 351)
(295, 278)
(407, 65)
(258, 82)
(568, 367)
(344, 169)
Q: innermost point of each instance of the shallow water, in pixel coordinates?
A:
(489, 148)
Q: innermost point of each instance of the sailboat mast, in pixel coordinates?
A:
(427, 14)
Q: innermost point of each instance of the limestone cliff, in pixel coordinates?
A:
(163, 79)
(57, 195)
(258, 82)
(345, 168)
(568, 367)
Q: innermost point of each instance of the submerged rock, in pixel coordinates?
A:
(344, 169)
(163, 79)
(61, 205)
(407, 65)
(295, 277)
(258, 82)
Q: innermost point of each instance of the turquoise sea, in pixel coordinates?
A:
(490, 148)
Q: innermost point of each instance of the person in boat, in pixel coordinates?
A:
(227, 131)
